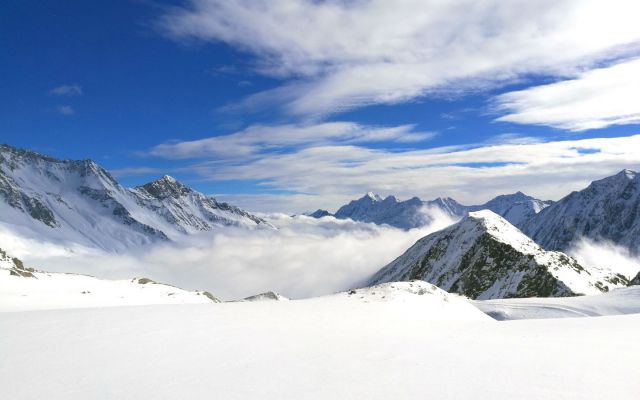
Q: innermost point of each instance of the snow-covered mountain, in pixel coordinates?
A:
(485, 257)
(635, 281)
(413, 213)
(515, 208)
(408, 214)
(608, 209)
(187, 211)
(79, 202)
(23, 288)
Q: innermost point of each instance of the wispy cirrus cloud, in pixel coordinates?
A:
(67, 90)
(258, 139)
(66, 110)
(594, 99)
(353, 54)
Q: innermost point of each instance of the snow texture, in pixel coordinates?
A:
(616, 302)
(335, 347)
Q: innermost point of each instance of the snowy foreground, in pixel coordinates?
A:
(398, 341)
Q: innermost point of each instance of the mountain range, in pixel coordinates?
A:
(414, 212)
(608, 210)
(483, 256)
(71, 201)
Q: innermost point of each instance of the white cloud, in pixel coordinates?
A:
(595, 99)
(66, 110)
(329, 176)
(338, 55)
(67, 90)
(305, 257)
(604, 254)
(257, 139)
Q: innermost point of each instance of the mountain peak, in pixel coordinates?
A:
(372, 196)
(166, 186)
(483, 257)
(629, 174)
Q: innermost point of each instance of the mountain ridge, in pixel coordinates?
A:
(80, 202)
(483, 257)
(606, 210)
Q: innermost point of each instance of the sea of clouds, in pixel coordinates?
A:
(304, 257)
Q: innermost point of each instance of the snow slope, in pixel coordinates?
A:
(485, 257)
(616, 302)
(78, 202)
(608, 209)
(328, 348)
(413, 213)
(23, 288)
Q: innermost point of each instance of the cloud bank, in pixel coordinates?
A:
(305, 257)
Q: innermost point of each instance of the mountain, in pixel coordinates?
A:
(79, 202)
(515, 208)
(485, 257)
(608, 209)
(188, 211)
(319, 213)
(413, 213)
(408, 214)
(23, 288)
(635, 281)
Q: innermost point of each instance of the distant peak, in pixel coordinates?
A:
(169, 180)
(628, 173)
(372, 196)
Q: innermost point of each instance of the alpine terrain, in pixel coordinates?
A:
(79, 202)
(485, 257)
(608, 209)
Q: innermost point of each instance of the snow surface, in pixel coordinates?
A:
(616, 302)
(334, 347)
(57, 290)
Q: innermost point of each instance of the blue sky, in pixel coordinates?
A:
(291, 105)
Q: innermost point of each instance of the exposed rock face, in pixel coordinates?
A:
(485, 257)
